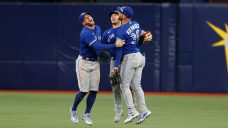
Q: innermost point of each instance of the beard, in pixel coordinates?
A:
(116, 22)
(90, 24)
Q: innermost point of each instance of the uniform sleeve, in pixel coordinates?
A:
(91, 40)
(118, 55)
(120, 33)
(104, 38)
(99, 46)
(118, 51)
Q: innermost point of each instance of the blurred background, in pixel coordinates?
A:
(40, 42)
(122, 1)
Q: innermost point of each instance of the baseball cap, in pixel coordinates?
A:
(126, 10)
(82, 15)
(112, 12)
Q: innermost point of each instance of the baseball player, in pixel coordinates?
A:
(109, 37)
(132, 65)
(87, 66)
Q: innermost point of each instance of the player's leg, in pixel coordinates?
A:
(86, 116)
(117, 101)
(118, 108)
(133, 96)
(93, 87)
(83, 88)
(82, 83)
(127, 72)
(136, 85)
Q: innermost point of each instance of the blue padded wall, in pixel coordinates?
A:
(168, 47)
(43, 40)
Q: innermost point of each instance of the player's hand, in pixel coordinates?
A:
(147, 37)
(115, 69)
(119, 42)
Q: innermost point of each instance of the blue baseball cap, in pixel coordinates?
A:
(82, 16)
(126, 10)
(112, 12)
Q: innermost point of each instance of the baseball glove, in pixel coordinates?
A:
(104, 57)
(115, 78)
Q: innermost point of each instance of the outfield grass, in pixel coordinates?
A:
(24, 110)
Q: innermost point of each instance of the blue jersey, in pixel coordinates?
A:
(130, 32)
(109, 37)
(90, 42)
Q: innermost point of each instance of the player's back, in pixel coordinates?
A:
(130, 32)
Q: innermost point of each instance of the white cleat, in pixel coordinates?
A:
(73, 116)
(131, 117)
(86, 117)
(143, 116)
(118, 116)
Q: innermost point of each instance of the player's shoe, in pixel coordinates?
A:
(118, 116)
(131, 117)
(86, 117)
(143, 116)
(73, 116)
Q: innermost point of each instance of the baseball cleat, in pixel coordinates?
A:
(86, 117)
(131, 117)
(118, 116)
(143, 116)
(73, 116)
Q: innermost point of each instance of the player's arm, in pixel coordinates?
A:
(118, 51)
(104, 38)
(103, 41)
(97, 45)
(118, 56)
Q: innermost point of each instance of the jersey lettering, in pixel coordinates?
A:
(110, 37)
(132, 28)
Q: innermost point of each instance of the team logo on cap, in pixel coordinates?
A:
(121, 9)
(224, 42)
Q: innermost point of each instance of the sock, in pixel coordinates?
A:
(78, 99)
(90, 101)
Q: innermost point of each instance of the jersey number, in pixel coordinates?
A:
(135, 37)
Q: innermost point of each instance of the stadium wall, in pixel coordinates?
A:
(40, 42)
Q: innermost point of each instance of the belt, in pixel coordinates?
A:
(89, 59)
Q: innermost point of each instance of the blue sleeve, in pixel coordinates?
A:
(96, 45)
(104, 38)
(118, 55)
(120, 33)
(98, 53)
(88, 38)
(99, 47)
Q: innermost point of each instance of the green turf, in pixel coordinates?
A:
(19, 110)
